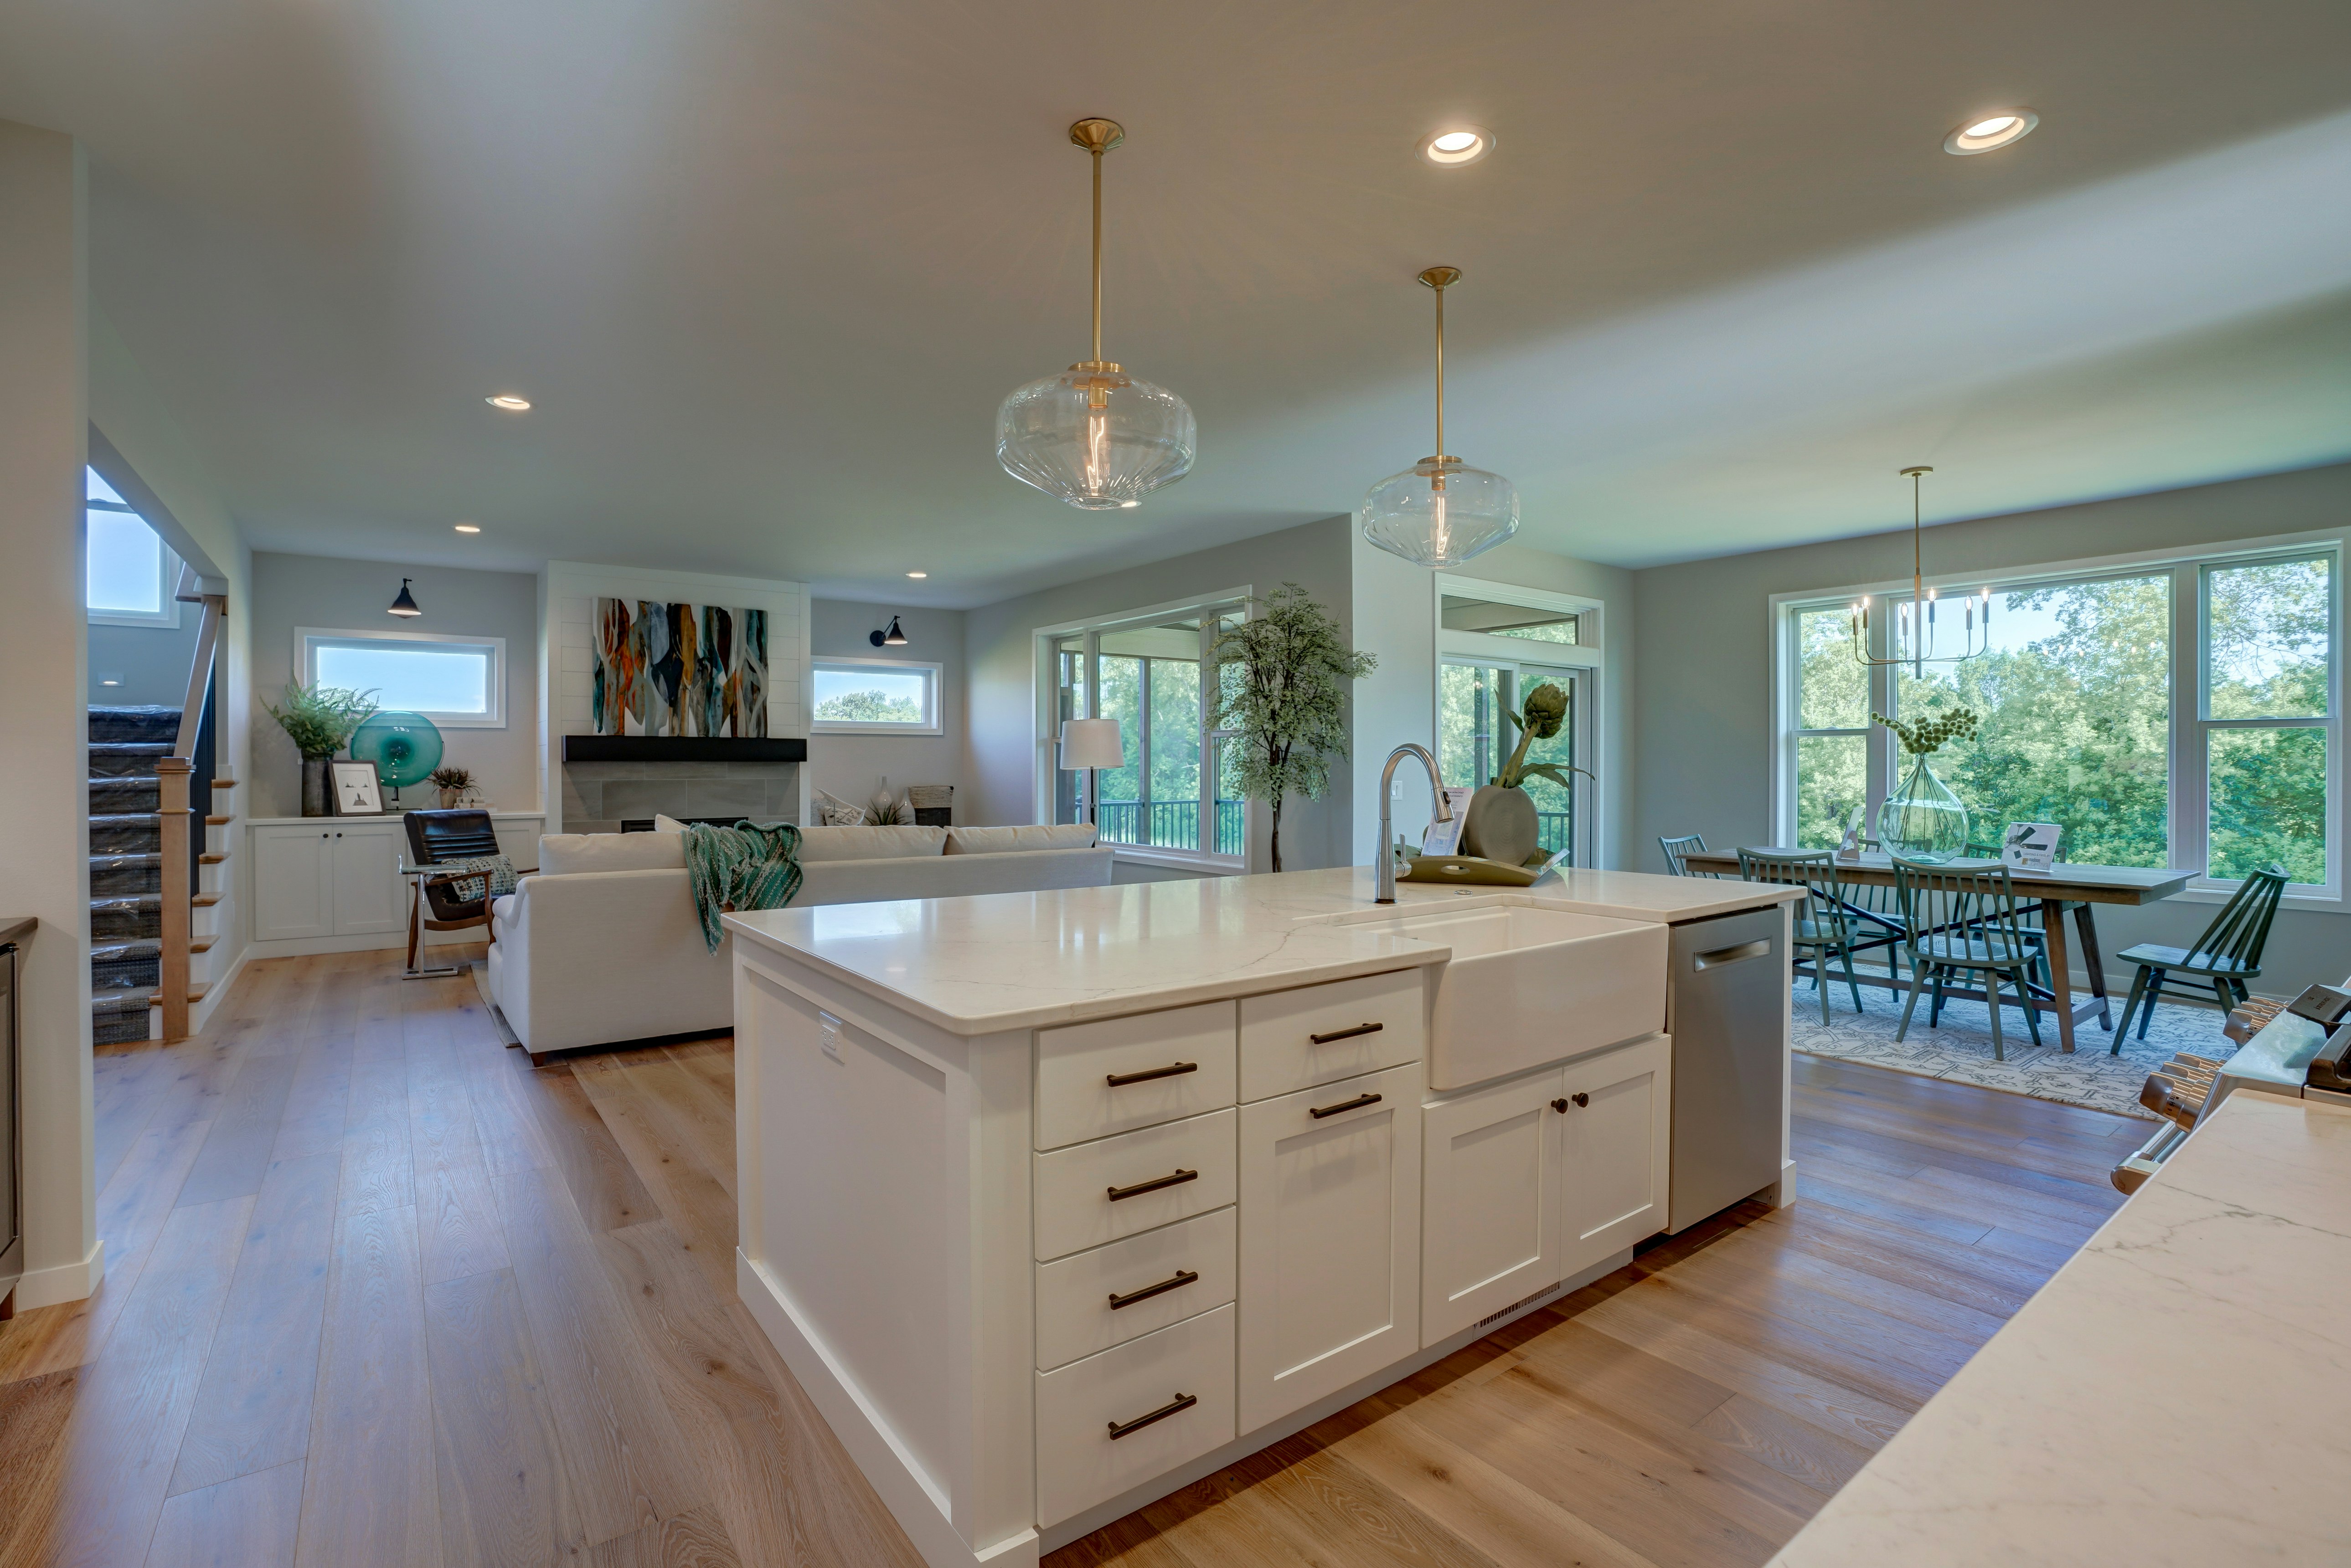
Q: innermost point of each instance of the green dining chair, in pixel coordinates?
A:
(1964, 919)
(1677, 854)
(1823, 924)
(2225, 956)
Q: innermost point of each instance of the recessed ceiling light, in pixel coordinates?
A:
(918, 574)
(1456, 144)
(510, 403)
(1987, 131)
(468, 527)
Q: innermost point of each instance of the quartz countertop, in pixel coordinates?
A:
(1022, 960)
(2174, 1395)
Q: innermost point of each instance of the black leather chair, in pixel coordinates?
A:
(434, 838)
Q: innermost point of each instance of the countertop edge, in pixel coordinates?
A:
(17, 927)
(1107, 1006)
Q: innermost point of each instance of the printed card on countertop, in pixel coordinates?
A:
(1445, 837)
(2030, 846)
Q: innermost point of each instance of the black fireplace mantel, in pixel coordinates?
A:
(682, 749)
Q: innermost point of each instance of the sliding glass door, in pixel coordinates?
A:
(1474, 738)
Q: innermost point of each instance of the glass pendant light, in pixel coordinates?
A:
(1440, 511)
(1094, 435)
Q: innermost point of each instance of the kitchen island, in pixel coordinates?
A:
(1055, 1202)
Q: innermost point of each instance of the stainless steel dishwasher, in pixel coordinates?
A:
(1725, 998)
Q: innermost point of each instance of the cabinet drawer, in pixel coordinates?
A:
(1113, 1074)
(1365, 1024)
(1075, 1205)
(1115, 1293)
(1080, 1463)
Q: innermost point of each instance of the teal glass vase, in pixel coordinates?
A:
(1923, 820)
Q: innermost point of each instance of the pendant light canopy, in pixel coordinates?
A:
(1440, 511)
(1094, 435)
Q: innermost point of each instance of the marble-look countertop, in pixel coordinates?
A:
(1022, 960)
(2176, 1395)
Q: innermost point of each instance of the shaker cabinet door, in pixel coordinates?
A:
(1616, 1146)
(369, 892)
(1330, 1248)
(293, 882)
(1491, 1190)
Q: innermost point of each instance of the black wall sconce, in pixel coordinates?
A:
(406, 605)
(893, 638)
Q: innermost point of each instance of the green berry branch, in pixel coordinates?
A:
(1927, 734)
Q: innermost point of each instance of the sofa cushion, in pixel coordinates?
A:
(560, 855)
(664, 823)
(1014, 840)
(871, 843)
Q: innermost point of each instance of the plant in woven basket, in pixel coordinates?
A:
(319, 720)
(1923, 737)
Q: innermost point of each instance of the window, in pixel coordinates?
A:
(875, 696)
(2180, 715)
(1473, 738)
(1495, 641)
(456, 681)
(130, 572)
(1462, 613)
(1145, 671)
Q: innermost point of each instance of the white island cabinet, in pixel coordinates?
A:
(1055, 1202)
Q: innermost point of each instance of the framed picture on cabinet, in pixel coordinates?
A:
(355, 789)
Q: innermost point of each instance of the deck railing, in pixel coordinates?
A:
(1170, 824)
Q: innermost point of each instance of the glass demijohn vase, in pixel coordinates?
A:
(1923, 820)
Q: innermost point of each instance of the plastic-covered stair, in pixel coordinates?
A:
(126, 866)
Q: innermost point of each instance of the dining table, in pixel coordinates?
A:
(2062, 888)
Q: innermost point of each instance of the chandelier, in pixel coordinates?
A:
(1440, 511)
(1094, 435)
(1911, 638)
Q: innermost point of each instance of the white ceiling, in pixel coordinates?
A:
(766, 269)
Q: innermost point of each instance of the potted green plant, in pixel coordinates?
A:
(453, 783)
(1501, 823)
(1288, 706)
(319, 720)
(1923, 820)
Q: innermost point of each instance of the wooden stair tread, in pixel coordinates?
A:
(196, 994)
(218, 821)
(208, 858)
(205, 900)
(202, 944)
(223, 783)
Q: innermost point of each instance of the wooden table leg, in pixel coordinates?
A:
(2093, 961)
(2061, 983)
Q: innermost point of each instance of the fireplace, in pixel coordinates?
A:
(613, 782)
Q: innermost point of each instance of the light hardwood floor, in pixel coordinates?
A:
(378, 1292)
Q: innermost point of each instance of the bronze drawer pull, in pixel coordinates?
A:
(1357, 1103)
(1121, 1080)
(1346, 1033)
(1138, 1188)
(1181, 1402)
(1183, 1276)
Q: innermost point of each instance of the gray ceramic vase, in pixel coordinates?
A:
(1499, 825)
(314, 786)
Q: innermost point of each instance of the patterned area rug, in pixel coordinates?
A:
(1961, 1048)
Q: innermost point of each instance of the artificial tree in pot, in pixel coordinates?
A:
(1289, 706)
(319, 720)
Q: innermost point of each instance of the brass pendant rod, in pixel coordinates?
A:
(1440, 370)
(1098, 152)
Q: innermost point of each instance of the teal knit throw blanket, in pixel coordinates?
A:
(741, 867)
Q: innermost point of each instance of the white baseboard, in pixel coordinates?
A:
(62, 1281)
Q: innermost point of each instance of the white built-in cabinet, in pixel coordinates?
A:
(327, 876)
(1531, 1181)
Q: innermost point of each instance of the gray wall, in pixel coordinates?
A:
(852, 767)
(1000, 761)
(154, 661)
(1703, 736)
(290, 590)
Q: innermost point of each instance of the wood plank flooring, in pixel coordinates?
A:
(378, 1292)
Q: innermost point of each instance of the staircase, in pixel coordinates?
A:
(126, 870)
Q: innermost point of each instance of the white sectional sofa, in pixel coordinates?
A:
(602, 944)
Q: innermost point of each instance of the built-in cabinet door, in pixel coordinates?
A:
(1329, 1243)
(293, 882)
(1615, 1130)
(1491, 1190)
(368, 884)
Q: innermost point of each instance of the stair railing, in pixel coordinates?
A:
(172, 774)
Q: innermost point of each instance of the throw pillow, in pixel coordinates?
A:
(496, 880)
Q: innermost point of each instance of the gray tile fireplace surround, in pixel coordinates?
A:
(598, 797)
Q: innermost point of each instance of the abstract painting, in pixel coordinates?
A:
(679, 669)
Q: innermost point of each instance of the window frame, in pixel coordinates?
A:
(935, 671)
(167, 571)
(1046, 642)
(1586, 658)
(2187, 820)
(307, 639)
